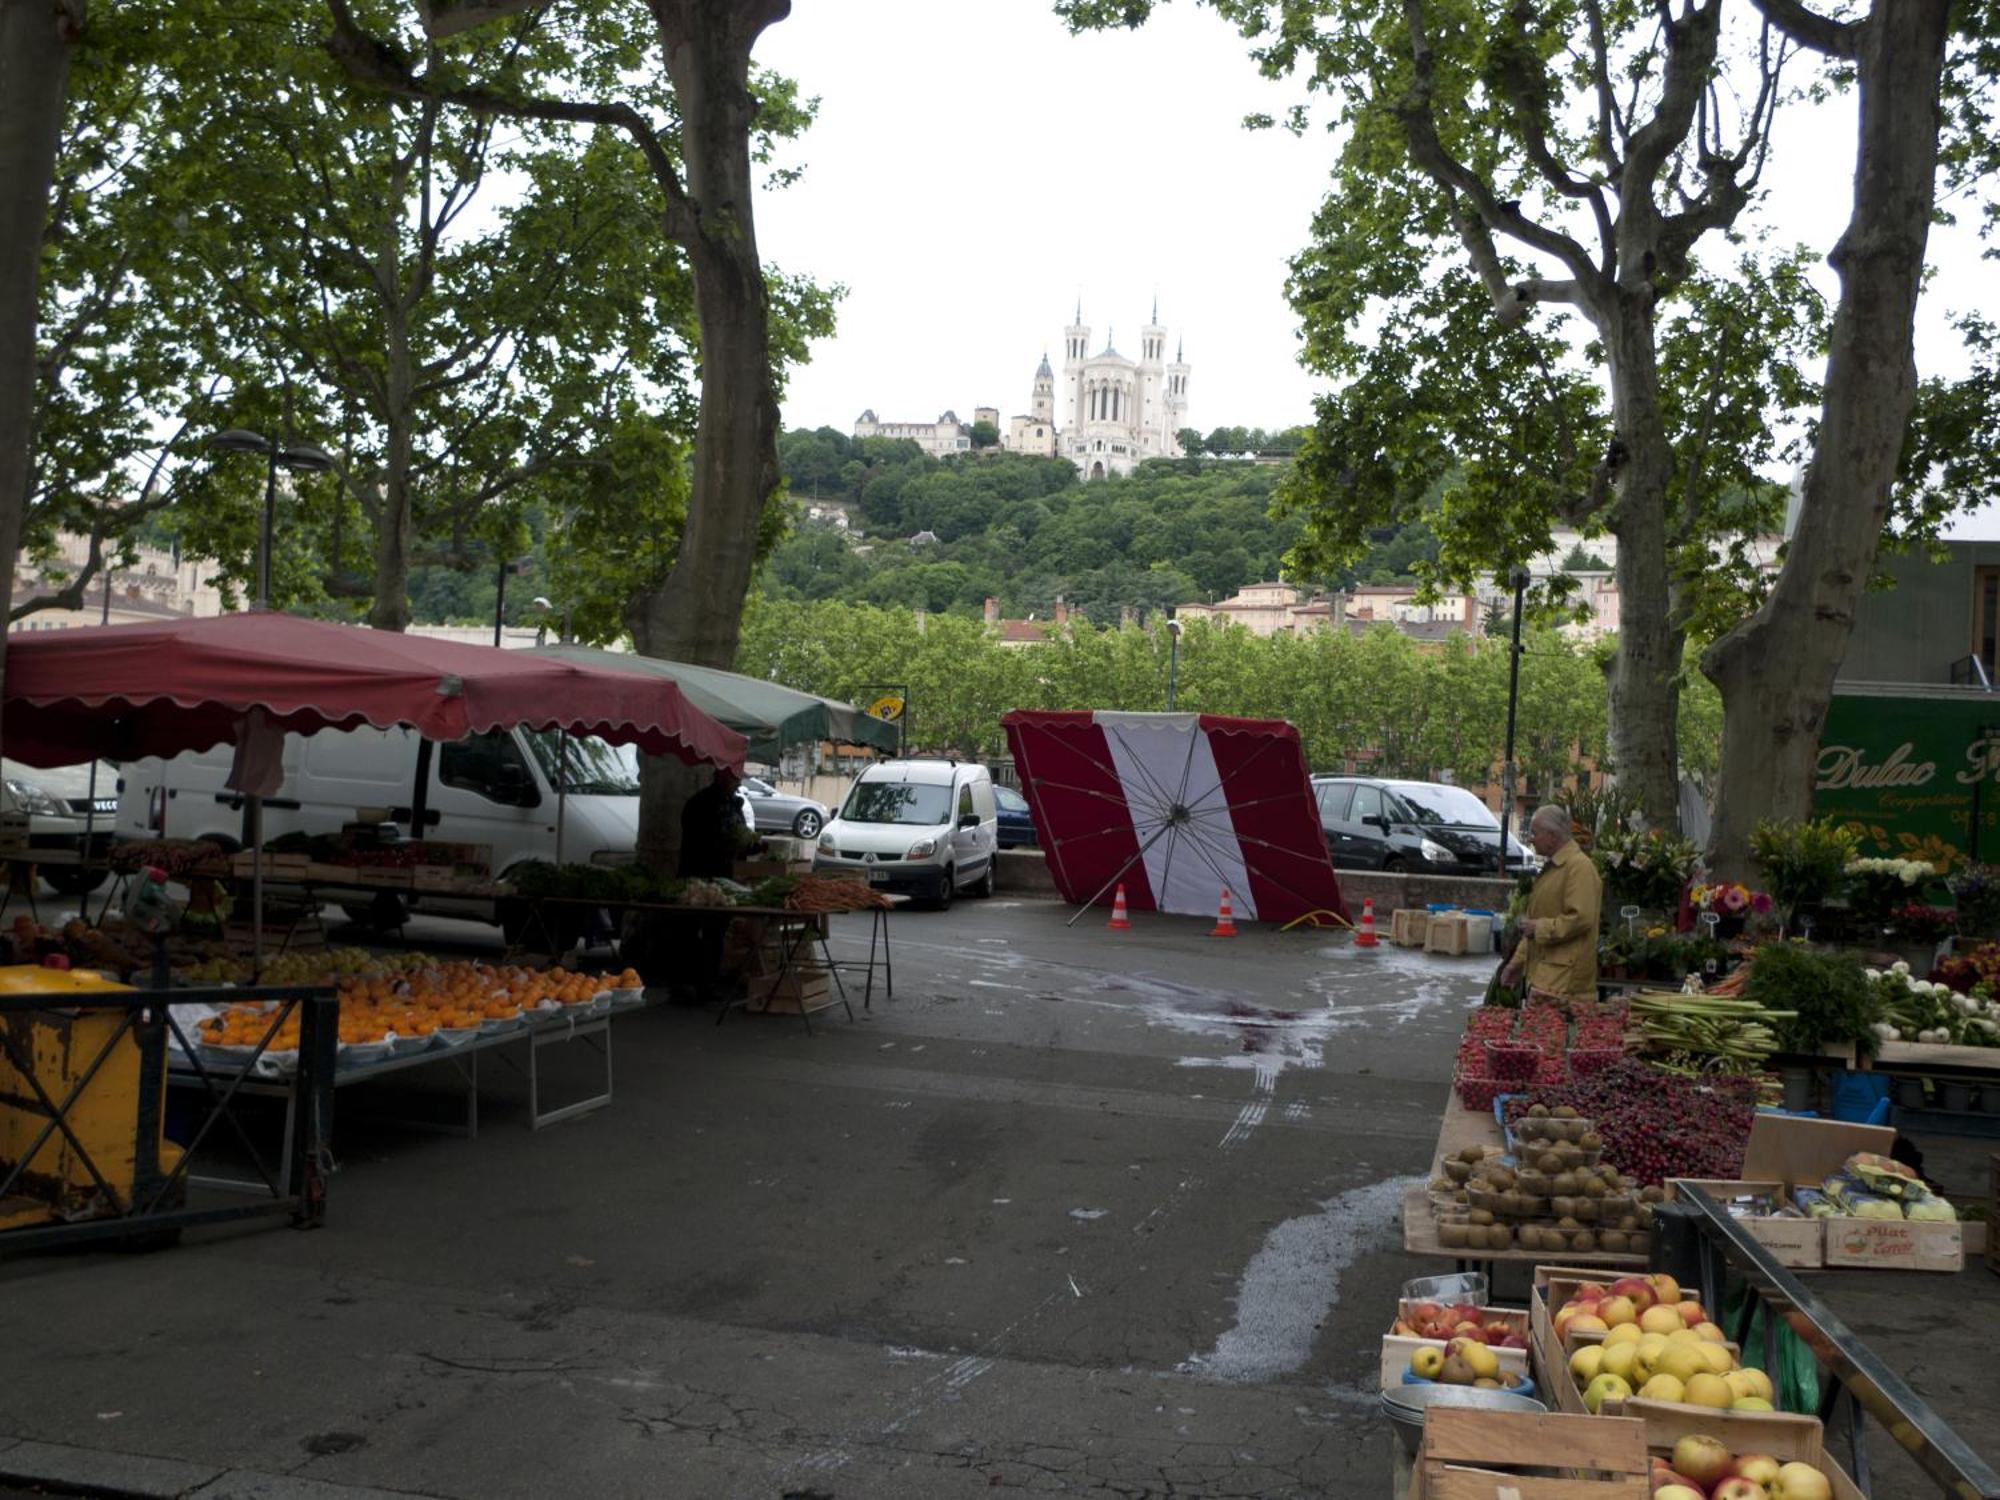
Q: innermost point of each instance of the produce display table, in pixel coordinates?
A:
(1462, 1128)
(793, 935)
(592, 1029)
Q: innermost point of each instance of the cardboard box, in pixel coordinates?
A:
(1894, 1244)
(1409, 927)
(1469, 1454)
(1799, 1243)
(1802, 1153)
(1447, 933)
(1397, 1347)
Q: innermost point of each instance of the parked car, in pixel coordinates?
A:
(1017, 824)
(55, 820)
(1419, 826)
(773, 811)
(927, 828)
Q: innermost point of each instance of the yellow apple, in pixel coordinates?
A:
(1750, 1403)
(1682, 1363)
(1708, 1390)
(1720, 1360)
(1748, 1382)
(1586, 1363)
(1710, 1332)
(1624, 1333)
(1662, 1320)
(1663, 1388)
(1604, 1388)
(1485, 1363)
(1616, 1310)
(1665, 1288)
(1427, 1363)
(1588, 1323)
(1619, 1360)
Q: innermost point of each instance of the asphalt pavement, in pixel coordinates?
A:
(1074, 1212)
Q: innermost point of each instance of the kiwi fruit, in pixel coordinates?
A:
(1548, 1162)
(1567, 1222)
(1639, 1244)
(1565, 1184)
(1593, 1187)
(1538, 1111)
(1629, 1222)
(1452, 1236)
(1586, 1210)
(1458, 1171)
(1440, 1185)
(1583, 1242)
(1613, 1240)
(1481, 1216)
(1590, 1140)
(1472, 1154)
(1499, 1237)
(1502, 1177)
(1565, 1112)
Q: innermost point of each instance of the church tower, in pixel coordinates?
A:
(1076, 349)
(1151, 414)
(1174, 412)
(1043, 406)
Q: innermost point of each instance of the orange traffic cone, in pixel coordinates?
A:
(1225, 921)
(1364, 936)
(1119, 922)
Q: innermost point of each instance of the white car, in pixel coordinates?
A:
(55, 816)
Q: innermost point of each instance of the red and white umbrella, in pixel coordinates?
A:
(1178, 807)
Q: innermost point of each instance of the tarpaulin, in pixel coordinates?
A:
(1177, 807)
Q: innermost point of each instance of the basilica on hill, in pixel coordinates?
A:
(1110, 411)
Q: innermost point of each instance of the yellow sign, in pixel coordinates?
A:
(888, 707)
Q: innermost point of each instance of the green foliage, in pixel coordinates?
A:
(1829, 997)
(1803, 863)
(1646, 869)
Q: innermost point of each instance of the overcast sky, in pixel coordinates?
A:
(974, 169)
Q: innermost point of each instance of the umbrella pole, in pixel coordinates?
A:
(255, 806)
(1123, 871)
(562, 789)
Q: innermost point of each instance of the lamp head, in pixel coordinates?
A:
(1174, 629)
(239, 440)
(540, 603)
(306, 456)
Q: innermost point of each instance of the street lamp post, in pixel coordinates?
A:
(1173, 659)
(1520, 582)
(304, 457)
(515, 567)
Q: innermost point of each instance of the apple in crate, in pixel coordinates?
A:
(1638, 1289)
(1702, 1459)
(1740, 1489)
(1797, 1481)
(1677, 1492)
(1760, 1467)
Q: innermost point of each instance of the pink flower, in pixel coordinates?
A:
(1759, 902)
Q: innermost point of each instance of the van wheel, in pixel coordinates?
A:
(985, 887)
(946, 891)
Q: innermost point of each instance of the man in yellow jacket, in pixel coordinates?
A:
(1559, 949)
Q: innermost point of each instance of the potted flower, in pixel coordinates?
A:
(1804, 864)
(1646, 869)
(1976, 889)
(1731, 903)
(1876, 888)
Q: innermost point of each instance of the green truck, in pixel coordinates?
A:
(1916, 769)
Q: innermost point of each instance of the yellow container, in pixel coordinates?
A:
(60, 1042)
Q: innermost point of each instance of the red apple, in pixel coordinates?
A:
(1758, 1466)
(1738, 1488)
(1691, 1313)
(1701, 1458)
(1513, 1341)
(1424, 1312)
(1638, 1288)
(1665, 1288)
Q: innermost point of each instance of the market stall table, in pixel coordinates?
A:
(462, 1057)
(1462, 1128)
(795, 933)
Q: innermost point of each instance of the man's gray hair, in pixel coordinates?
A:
(1551, 817)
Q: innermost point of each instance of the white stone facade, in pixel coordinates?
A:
(940, 439)
(1118, 411)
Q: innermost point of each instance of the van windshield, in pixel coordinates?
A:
(897, 802)
(591, 768)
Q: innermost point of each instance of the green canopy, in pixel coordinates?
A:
(770, 716)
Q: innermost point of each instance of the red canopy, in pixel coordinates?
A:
(124, 692)
(1176, 807)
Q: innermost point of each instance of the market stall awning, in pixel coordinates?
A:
(1177, 807)
(130, 691)
(771, 717)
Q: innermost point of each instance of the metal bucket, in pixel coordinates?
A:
(1405, 1406)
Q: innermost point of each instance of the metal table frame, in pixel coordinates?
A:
(151, 1209)
(1857, 1379)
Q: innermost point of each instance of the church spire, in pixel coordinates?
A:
(1156, 309)
(1079, 308)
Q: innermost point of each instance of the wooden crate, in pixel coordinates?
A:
(1408, 927)
(1785, 1437)
(1798, 1243)
(1398, 1347)
(1894, 1244)
(805, 987)
(1448, 933)
(1482, 1455)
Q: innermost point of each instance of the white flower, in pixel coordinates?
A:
(1873, 973)
(1900, 967)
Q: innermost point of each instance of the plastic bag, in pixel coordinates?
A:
(1795, 1377)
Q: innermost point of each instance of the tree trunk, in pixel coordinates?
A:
(695, 613)
(36, 39)
(1644, 696)
(1775, 670)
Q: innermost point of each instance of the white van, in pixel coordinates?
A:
(927, 828)
(496, 788)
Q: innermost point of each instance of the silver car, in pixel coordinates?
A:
(780, 812)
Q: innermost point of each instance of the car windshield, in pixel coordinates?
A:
(591, 767)
(1010, 799)
(897, 802)
(1450, 805)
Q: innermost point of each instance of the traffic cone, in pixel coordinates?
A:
(1225, 921)
(1119, 922)
(1364, 936)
